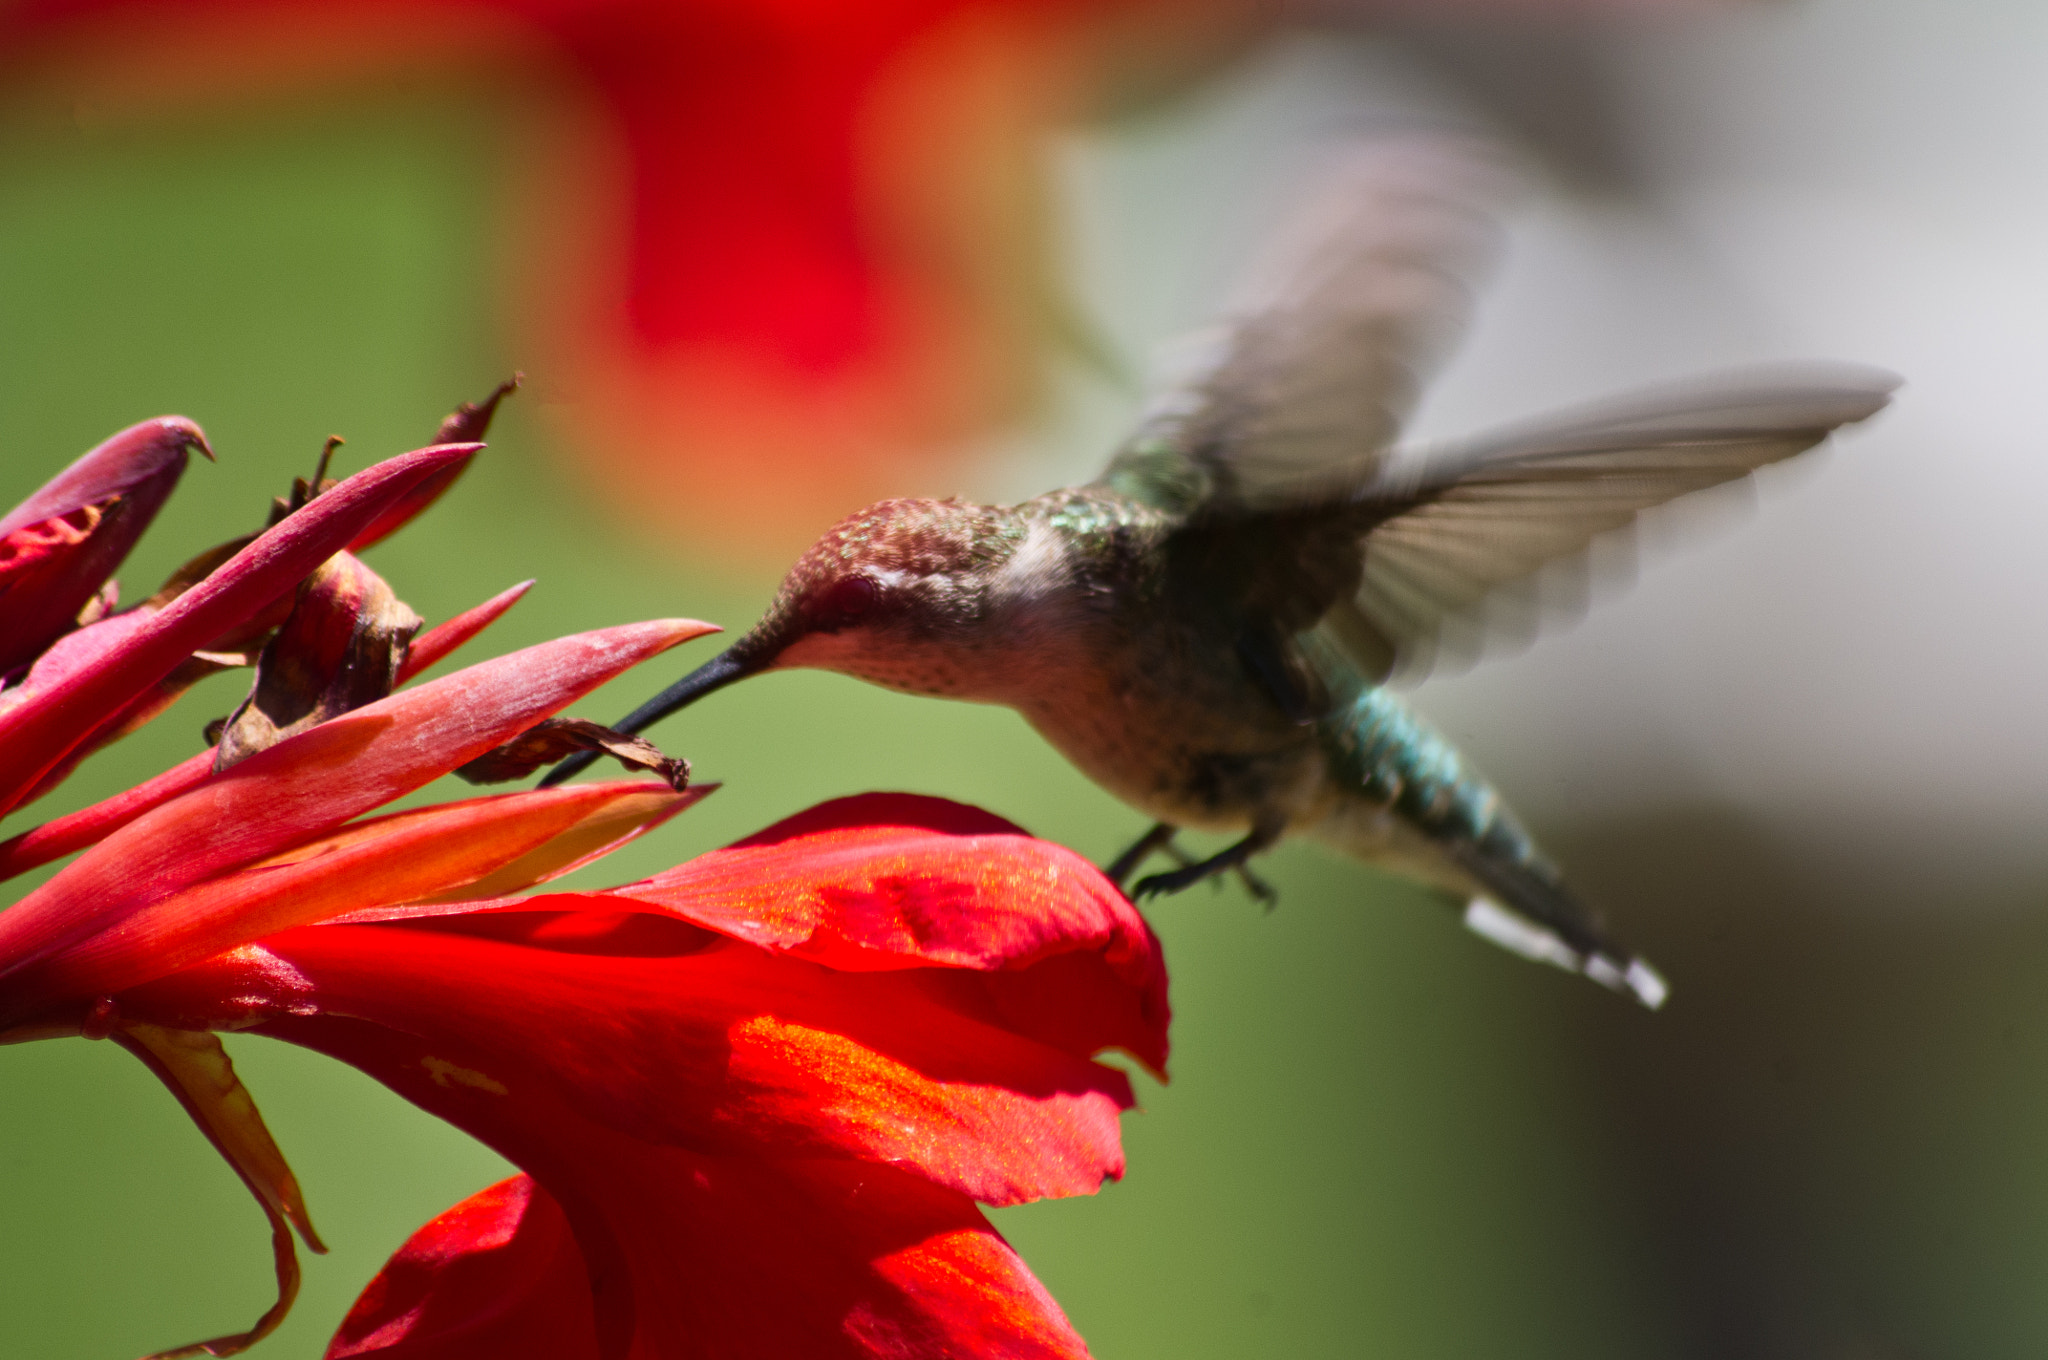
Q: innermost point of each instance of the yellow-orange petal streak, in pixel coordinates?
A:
(602, 830)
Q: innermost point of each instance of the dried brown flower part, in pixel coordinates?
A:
(466, 424)
(340, 648)
(555, 738)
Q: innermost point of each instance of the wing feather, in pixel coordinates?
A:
(1456, 529)
(1277, 448)
(1304, 385)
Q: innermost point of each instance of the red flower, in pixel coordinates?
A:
(83, 687)
(757, 1095)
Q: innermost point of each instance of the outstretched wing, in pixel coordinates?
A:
(1487, 514)
(1300, 390)
(1384, 571)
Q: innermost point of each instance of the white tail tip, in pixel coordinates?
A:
(1519, 935)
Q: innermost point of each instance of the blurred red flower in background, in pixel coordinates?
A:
(757, 1095)
(789, 253)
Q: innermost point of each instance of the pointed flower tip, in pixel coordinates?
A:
(447, 453)
(678, 631)
(488, 407)
(445, 462)
(437, 642)
(115, 465)
(472, 419)
(187, 431)
(60, 548)
(172, 434)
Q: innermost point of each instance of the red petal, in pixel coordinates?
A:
(135, 455)
(694, 1041)
(496, 1277)
(895, 880)
(35, 735)
(702, 1255)
(437, 642)
(1055, 951)
(319, 779)
(483, 845)
(62, 543)
(469, 423)
(60, 836)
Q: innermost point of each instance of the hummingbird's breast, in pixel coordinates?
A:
(1140, 688)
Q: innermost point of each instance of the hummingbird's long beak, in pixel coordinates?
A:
(734, 663)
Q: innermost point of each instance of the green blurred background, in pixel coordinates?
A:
(1382, 1137)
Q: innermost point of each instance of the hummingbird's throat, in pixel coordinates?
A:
(913, 667)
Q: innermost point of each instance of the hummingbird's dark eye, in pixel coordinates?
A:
(849, 600)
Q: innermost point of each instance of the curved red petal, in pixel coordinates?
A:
(436, 643)
(49, 569)
(885, 809)
(1053, 950)
(496, 1277)
(696, 1041)
(895, 881)
(115, 465)
(478, 845)
(699, 1255)
(886, 881)
(319, 779)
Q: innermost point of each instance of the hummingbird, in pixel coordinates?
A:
(1208, 630)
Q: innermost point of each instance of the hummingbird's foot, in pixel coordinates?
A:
(1160, 837)
(1231, 858)
(1262, 892)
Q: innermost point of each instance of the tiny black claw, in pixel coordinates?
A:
(1158, 838)
(1160, 885)
(1232, 859)
(1262, 892)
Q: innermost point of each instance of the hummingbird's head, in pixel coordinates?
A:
(899, 594)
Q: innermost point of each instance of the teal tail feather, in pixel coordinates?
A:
(1395, 761)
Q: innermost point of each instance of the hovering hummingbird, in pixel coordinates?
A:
(1206, 629)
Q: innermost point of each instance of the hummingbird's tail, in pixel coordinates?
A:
(1411, 803)
(1530, 912)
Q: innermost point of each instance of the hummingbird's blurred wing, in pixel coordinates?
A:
(1443, 533)
(1304, 385)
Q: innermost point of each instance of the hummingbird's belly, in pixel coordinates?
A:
(1190, 767)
